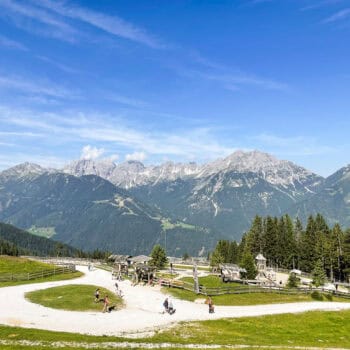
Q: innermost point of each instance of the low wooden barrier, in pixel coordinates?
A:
(245, 289)
(26, 276)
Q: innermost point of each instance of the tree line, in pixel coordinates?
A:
(287, 244)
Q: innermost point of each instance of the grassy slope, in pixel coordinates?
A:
(16, 265)
(321, 329)
(10, 264)
(73, 297)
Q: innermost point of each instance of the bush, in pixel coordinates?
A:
(293, 281)
(329, 297)
(316, 295)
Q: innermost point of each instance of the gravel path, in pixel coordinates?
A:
(141, 316)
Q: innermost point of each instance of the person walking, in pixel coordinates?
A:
(211, 305)
(106, 303)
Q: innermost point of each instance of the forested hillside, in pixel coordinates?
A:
(287, 244)
(14, 241)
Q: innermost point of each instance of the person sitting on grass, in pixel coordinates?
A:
(97, 295)
(106, 303)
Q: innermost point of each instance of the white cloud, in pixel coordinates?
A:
(113, 25)
(340, 15)
(188, 143)
(89, 153)
(229, 78)
(20, 13)
(44, 88)
(139, 156)
(11, 44)
(295, 146)
(112, 158)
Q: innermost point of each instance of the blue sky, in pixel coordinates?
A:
(174, 80)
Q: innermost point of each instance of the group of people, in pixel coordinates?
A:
(107, 307)
(167, 304)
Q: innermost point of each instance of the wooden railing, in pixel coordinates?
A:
(244, 289)
(25, 276)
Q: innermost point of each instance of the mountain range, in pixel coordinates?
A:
(129, 207)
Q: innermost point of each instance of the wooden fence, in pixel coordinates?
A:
(244, 289)
(26, 276)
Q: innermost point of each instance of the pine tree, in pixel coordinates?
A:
(249, 264)
(298, 233)
(254, 239)
(271, 240)
(346, 255)
(293, 281)
(308, 254)
(318, 274)
(158, 257)
(216, 258)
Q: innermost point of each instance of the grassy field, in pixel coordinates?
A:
(311, 329)
(12, 264)
(255, 298)
(74, 297)
(16, 265)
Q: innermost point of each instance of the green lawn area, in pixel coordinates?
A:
(188, 267)
(73, 297)
(12, 264)
(311, 329)
(17, 265)
(53, 278)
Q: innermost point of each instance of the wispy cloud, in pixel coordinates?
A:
(194, 143)
(28, 17)
(113, 25)
(228, 78)
(12, 44)
(43, 88)
(138, 156)
(319, 4)
(61, 20)
(292, 146)
(88, 152)
(124, 100)
(57, 64)
(338, 16)
(257, 2)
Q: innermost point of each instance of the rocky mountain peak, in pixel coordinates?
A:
(82, 167)
(23, 170)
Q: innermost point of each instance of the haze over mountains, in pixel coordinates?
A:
(129, 207)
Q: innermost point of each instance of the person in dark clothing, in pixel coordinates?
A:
(166, 305)
(97, 295)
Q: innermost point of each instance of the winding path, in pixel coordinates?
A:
(141, 316)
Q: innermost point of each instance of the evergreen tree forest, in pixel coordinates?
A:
(288, 244)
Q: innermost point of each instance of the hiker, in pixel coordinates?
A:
(166, 305)
(171, 309)
(116, 287)
(105, 304)
(211, 305)
(97, 295)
